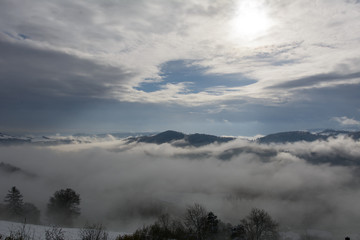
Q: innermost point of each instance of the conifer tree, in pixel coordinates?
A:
(14, 204)
(212, 223)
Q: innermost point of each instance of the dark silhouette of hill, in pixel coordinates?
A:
(264, 154)
(11, 140)
(164, 137)
(355, 135)
(297, 136)
(6, 168)
(291, 137)
(117, 135)
(198, 139)
(7, 140)
(180, 139)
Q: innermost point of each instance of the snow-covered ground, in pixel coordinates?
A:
(38, 231)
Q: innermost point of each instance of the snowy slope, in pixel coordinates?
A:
(38, 231)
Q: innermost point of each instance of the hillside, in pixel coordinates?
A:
(37, 232)
(297, 136)
(181, 139)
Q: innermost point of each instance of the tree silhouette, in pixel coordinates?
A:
(195, 220)
(258, 225)
(212, 223)
(63, 207)
(14, 204)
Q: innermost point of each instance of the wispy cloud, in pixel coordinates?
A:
(320, 80)
(91, 51)
(345, 121)
(143, 35)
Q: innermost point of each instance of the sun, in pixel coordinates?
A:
(251, 20)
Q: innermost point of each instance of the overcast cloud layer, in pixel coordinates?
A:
(224, 67)
(126, 186)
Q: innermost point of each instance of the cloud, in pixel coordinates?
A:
(126, 186)
(42, 73)
(103, 54)
(345, 121)
(142, 36)
(53, 86)
(318, 80)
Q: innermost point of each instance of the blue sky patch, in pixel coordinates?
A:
(195, 77)
(19, 36)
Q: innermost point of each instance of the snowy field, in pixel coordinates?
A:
(38, 231)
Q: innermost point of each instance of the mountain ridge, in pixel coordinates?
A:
(180, 139)
(176, 138)
(297, 136)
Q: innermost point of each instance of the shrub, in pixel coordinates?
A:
(93, 232)
(22, 232)
(54, 233)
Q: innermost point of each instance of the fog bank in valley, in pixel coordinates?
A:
(128, 185)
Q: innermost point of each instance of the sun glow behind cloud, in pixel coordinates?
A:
(251, 20)
(289, 50)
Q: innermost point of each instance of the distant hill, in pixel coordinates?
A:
(117, 135)
(6, 139)
(180, 139)
(306, 136)
(290, 137)
(6, 168)
(175, 138)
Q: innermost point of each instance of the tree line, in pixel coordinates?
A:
(200, 224)
(61, 210)
(197, 223)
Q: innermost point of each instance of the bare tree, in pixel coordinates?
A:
(23, 232)
(195, 220)
(259, 225)
(93, 232)
(54, 233)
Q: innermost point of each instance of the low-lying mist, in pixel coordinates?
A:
(127, 185)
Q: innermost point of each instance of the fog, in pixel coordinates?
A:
(128, 185)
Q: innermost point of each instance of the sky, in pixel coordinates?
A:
(236, 67)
